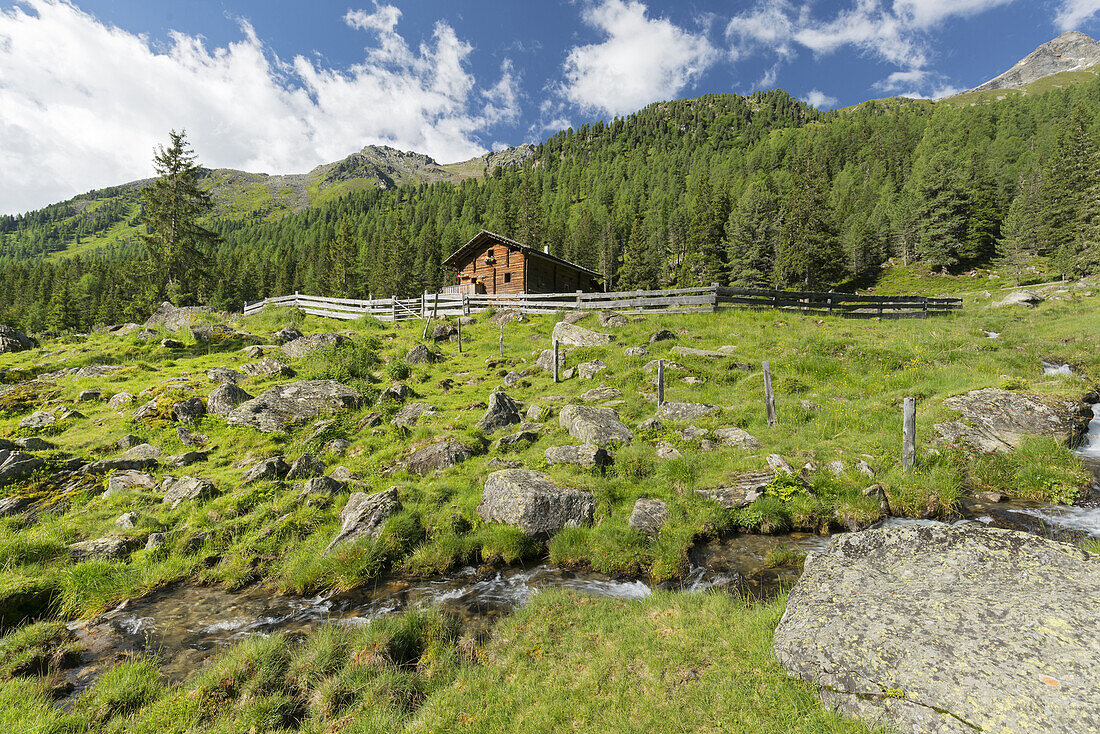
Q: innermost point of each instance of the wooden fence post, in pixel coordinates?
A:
(909, 433)
(714, 298)
(502, 338)
(579, 300)
(660, 383)
(556, 352)
(465, 305)
(458, 325)
(424, 304)
(769, 396)
(393, 310)
(427, 323)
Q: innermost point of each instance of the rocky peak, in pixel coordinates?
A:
(1072, 51)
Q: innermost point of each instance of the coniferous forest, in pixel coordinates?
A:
(760, 190)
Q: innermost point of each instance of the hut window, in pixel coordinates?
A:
(507, 277)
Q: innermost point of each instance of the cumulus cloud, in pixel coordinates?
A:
(82, 103)
(642, 59)
(820, 100)
(1075, 12)
(894, 32)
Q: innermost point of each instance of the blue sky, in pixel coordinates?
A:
(88, 88)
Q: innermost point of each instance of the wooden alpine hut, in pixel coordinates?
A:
(491, 263)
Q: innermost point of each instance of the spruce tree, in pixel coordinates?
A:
(178, 246)
(808, 252)
(750, 238)
(1019, 241)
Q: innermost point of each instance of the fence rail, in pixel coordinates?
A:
(704, 299)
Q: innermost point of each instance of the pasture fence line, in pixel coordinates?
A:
(703, 299)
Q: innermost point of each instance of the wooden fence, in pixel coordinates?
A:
(705, 299)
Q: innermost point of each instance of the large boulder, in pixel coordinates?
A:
(420, 354)
(545, 360)
(172, 318)
(443, 331)
(502, 412)
(648, 516)
(529, 501)
(440, 455)
(949, 629)
(267, 367)
(113, 547)
(578, 336)
(271, 469)
(284, 406)
(186, 489)
(588, 455)
(305, 345)
(224, 374)
(15, 465)
(600, 426)
(996, 421)
(189, 411)
(216, 334)
(686, 411)
(364, 515)
(14, 340)
(225, 398)
(1021, 298)
(288, 333)
(737, 437)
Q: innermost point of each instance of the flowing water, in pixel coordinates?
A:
(184, 625)
(1050, 369)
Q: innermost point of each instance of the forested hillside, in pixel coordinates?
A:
(757, 190)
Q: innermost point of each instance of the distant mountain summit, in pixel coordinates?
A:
(1072, 51)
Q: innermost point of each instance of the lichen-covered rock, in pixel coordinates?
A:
(90, 396)
(660, 336)
(411, 413)
(38, 420)
(575, 317)
(597, 394)
(636, 352)
(14, 465)
(217, 333)
(173, 318)
(120, 400)
(303, 346)
(224, 374)
(14, 340)
(285, 406)
(700, 353)
(611, 319)
(545, 360)
(600, 426)
(504, 316)
(187, 458)
(737, 438)
(587, 455)
(267, 367)
(997, 421)
(272, 469)
(741, 492)
(186, 489)
(364, 516)
(516, 440)
(191, 438)
(420, 354)
(589, 370)
(288, 333)
(321, 488)
(502, 412)
(529, 501)
(1021, 298)
(648, 516)
(437, 456)
(189, 411)
(225, 398)
(443, 331)
(142, 451)
(578, 336)
(122, 481)
(398, 392)
(686, 411)
(949, 629)
(113, 547)
(304, 467)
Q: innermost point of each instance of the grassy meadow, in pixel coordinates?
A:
(673, 662)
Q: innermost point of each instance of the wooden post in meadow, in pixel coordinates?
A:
(909, 433)
(660, 383)
(393, 309)
(502, 338)
(458, 325)
(427, 323)
(557, 348)
(769, 396)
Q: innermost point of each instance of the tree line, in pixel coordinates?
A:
(757, 190)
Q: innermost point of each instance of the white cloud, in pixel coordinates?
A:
(642, 60)
(82, 104)
(769, 24)
(820, 100)
(1075, 12)
(926, 13)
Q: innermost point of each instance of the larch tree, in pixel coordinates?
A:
(179, 248)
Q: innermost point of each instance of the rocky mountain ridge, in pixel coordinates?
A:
(1071, 51)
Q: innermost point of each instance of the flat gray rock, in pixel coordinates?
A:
(589, 370)
(1021, 298)
(437, 456)
(701, 353)
(529, 501)
(271, 469)
(121, 464)
(587, 455)
(997, 421)
(224, 374)
(285, 406)
(225, 398)
(121, 481)
(686, 411)
(305, 345)
(186, 489)
(598, 394)
(600, 426)
(741, 492)
(364, 516)
(15, 465)
(111, 546)
(578, 336)
(949, 629)
(736, 437)
(267, 367)
(648, 516)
